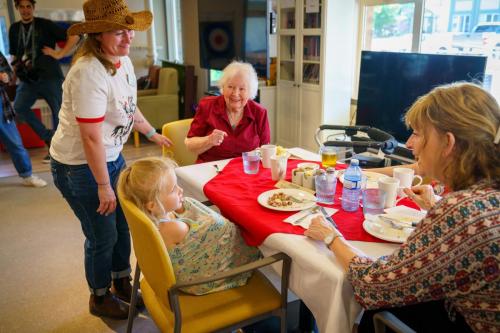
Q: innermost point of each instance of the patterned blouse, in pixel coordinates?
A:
(453, 255)
(212, 245)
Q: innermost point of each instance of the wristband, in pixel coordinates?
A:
(150, 133)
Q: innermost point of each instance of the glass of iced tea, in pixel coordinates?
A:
(328, 156)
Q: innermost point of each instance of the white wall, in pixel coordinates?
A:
(190, 41)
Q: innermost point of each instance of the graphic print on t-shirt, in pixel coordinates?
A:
(121, 132)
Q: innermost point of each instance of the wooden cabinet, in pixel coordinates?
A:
(315, 58)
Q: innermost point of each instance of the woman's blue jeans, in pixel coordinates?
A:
(27, 94)
(10, 137)
(107, 243)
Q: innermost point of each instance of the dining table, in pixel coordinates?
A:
(315, 276)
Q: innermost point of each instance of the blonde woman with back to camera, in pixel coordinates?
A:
(446, 276)
(98, 112)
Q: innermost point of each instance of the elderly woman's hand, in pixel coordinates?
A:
(318, 229)
(216, 137)
(423, 195)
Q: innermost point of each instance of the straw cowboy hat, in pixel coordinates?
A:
(109, 15)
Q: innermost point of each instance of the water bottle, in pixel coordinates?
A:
(352, 187)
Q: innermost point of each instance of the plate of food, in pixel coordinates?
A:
(287, 199)
(371, 178)
(386, 229)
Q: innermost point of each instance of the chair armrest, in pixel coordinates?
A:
(147, 92)
(385, 318)
(236, 271)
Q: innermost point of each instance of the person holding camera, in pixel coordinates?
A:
(35, 62)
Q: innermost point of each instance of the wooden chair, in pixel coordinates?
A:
(174, 311)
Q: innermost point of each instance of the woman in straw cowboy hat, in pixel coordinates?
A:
(98, 113)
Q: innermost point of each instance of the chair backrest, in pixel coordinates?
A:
(149, 249)
(153, 75)
(177, 132)
(167, 82)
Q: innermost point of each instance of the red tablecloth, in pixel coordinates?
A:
(235, 193)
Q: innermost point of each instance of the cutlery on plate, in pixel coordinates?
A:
(327, 217)
(398, 222)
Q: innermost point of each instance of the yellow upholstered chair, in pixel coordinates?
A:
(177, 132)
(160, 105)
(174, 311)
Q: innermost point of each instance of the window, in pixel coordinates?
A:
(434, 26)
(167, 30)
(461, 23)
(213, 79)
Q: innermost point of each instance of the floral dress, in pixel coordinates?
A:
(453, 254)
(212, 245)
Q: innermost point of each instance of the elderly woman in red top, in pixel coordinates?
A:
(227, 125)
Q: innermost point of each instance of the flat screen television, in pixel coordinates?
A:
(233, 30)
(389, 83)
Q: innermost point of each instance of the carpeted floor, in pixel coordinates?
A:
(43, 286)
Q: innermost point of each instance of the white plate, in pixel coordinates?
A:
(310, 199)
(380, 229)
(372, 178)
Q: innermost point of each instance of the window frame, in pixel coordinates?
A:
(418, 20)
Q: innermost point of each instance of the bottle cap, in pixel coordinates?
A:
(354, 162)
(330, 170)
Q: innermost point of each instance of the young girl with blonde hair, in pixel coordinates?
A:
(200, 242)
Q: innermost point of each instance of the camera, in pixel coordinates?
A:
(23, 67)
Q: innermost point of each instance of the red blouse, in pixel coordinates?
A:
(251, 132)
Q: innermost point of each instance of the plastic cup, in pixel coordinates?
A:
(373, 201)
(251, 162)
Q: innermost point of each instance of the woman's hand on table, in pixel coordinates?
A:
(160, 140)
(216, 137)
(423, 195)
(319, 228)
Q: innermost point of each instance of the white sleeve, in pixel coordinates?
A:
(89, 91)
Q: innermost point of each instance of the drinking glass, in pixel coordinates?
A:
(325, 188)
(251, 161)
(328, 156)
(373, 201)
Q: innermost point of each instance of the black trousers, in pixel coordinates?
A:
(428, 317)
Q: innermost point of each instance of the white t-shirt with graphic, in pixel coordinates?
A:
(91, 94)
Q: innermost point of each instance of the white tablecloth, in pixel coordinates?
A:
(315, 275)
